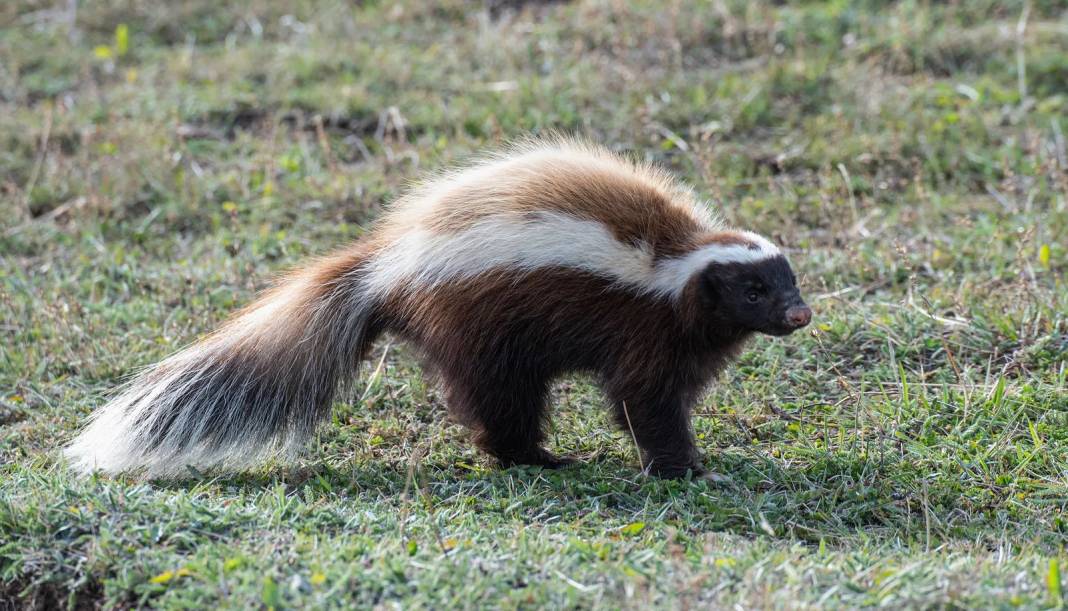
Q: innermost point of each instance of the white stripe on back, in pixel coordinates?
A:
(423, 259)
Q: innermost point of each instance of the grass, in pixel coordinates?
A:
(158, 163)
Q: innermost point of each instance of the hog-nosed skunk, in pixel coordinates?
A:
(555, 257)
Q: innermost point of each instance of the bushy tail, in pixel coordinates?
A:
(254, 389)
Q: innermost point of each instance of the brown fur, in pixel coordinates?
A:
(637, 204)
(723, 238)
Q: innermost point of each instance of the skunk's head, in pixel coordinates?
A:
(760, 296)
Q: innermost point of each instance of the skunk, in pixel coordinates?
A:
(555, 257)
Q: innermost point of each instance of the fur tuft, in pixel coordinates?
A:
(253, 390)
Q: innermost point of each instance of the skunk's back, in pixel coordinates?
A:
(636, 203)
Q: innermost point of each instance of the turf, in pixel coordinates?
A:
(159, 162)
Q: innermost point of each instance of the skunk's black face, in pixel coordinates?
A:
(761, 296)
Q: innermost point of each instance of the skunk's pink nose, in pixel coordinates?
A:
(798, 316)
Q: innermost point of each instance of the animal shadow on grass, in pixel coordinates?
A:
(833, 496)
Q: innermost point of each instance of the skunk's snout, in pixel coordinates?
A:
(798, 316)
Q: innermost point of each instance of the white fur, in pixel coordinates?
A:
(423, 259)
(672, 274)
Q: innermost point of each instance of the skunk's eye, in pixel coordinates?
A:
(753, 296)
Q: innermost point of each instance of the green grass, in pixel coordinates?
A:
(159, 164)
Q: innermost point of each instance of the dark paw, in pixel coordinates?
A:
(676, 471)
(556, 462)
(537, 458)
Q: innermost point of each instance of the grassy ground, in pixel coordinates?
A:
(160, 161)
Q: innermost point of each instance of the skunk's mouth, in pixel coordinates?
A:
(779, 330)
